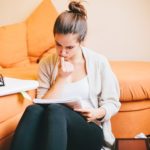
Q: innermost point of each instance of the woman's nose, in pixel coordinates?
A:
(63, 52)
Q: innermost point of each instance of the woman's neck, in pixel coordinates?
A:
(78, 58)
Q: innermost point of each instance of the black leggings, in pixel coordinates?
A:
(56, 127)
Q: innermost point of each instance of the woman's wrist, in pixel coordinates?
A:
(101, 113)
(55, 90)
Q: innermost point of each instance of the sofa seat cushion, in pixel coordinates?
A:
(6, 142)
(8, 127)
(132, 119)
(134, 79)
(11, 109)
(27, 72)
(11, 105)
(135, 106)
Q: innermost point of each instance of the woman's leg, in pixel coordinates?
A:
(28, 129)
(55, 128)
(67, 130)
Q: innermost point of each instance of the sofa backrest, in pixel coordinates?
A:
(24, 43)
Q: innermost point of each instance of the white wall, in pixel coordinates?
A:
(119, 29)
(13, 11)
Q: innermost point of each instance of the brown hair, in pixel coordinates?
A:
(72, 21)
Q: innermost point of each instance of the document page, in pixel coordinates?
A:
(70, 102)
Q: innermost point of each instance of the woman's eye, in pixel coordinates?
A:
(58, 44)
(70, 47)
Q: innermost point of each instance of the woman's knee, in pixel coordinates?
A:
(54, 107)
(34, 109)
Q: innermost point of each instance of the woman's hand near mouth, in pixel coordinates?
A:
(65, 68)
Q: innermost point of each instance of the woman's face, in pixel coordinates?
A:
(67, 45)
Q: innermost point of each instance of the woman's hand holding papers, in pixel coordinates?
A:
(92, 114)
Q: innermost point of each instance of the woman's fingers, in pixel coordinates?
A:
(85, 112)
(62, 61)
(65, 67)
(68, 67)
(62, 64)
(89, 114)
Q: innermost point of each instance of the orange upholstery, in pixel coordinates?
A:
(134, 78)
(39, 40)
(13, 41)
(7, 130)
(134, 115)
(11, 109)
(132, 119)
(14, 101)
(28, 72)
(23, 45)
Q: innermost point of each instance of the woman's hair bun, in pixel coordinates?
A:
(77, 7)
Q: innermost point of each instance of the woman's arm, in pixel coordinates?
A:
(64, 71)
(110, 92)
(55, 91)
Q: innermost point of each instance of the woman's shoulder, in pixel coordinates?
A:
(49, 60)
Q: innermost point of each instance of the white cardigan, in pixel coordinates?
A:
(104, 88)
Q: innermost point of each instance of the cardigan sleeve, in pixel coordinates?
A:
(110, 92)
(47, 74)
(43, 78)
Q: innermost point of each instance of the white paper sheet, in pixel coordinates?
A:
(70, 102)
(13, 85)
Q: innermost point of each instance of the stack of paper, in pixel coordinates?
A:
(70, 102)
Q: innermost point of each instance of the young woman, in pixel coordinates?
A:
(74, 71)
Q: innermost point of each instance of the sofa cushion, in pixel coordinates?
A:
(134, 79)
(9, 103)
(28, 72)
(8, 127)
(132, 119)
(13, 46)
(6, 142)
(40, 30)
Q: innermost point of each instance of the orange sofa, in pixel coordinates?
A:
(134, 115)
(24, 44)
